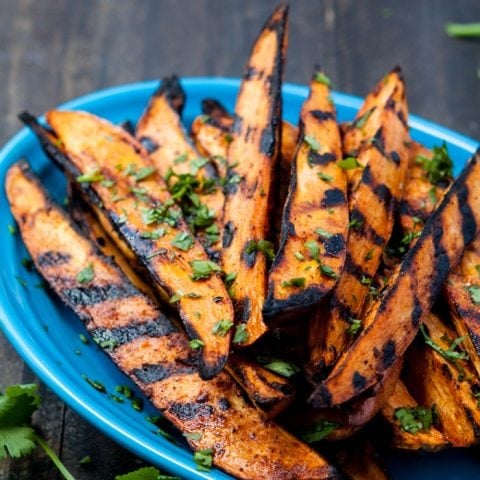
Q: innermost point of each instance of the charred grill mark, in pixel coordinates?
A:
(388, 354)
(216, 111)
(333, 197)
(395, 157)
(290, 230)
(383, 193)
(237, 124)
(52, 258)
(249, 257)
(334, 245)
(357, 219)
(354, 269)
(243, 309)
(151, 373)
(160, 327)
(249, 132)
(224, 404)
(417, 311)
(409, 210)
(390, 105)
(358, 381)
(285, 388)
(95, 294)
(315, 158)
(189, 411)
(267, 142)
(345, 312)
(297, 301)
(471, 420)
(249, 73)
(378, 141)
(128, 126)
(469, 225)
(322, 115)
(402, 118)
(149, 145)
(171, 89)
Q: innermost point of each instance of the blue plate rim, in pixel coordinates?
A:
(49, 373)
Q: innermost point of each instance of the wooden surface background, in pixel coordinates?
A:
(53, 50)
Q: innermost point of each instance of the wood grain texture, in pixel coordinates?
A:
(53, 50)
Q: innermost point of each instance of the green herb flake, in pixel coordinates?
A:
(27, 263)
(439, 167)
(203, 269)
(241, 334)
(452, 355)
(154, 235)
(313, 249)
(181, 159)
(95, 384)
(368, 255)
(263, 246)
(145, 473)
(360, 122)
(86, 275)
(355, 326)
(349, 163)
(323, 233)
(85, 460)
(320, 77)
(325, 177)
(137, 404)
(355, 223)
(91, 177)
(194, 436)
(21, 281)
(183, 241)
(320, 430)
(299, 256)
(281, 367)
(196, 344)
(462, 30)
(230, 278)
(83, 338)
(107, 183)
(204, 459)
(312, 142)
(414, 419)
(294, 282)
(474, 291)
(11, 229)
(328, 271)
(432, 195)
(222, 327)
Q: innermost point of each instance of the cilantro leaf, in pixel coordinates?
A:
(452, 355)
(413, 419)
(16, 441)
(203, 459)
(203, 269)
(145, 473)
(474, 291)
(281, 367)
(320, 430)
(439, 167)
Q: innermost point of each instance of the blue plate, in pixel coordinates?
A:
(46, 334)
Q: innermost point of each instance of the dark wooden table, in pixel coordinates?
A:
(53, 50)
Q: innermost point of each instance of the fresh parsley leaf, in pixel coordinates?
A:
(203, 269)
(320, 430)
(355, 326)
(195, 344)
(439, 167)
(263, 246)
(222, 327)
(413, 419)
(241, 334)
(145, 473)
(323, 233)
(320, 77)
(452, 355)
(93, 176)
(474, 291)
(348, 163)
(183, 241)
(312, 142)
(294, 282)
(203, 459)
(86, 275)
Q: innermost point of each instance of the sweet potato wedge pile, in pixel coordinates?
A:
(270, 285)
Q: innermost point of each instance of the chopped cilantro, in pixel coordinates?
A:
(294, 282)
(229, 279)
(204, 459)
(325, 177)
(413, 419)
(313, 249)
(196, 164)
(323, 233)
(320, 77)
(439, 167)
(181, 159)
(11, 229)
(21, 281)
(156, 234)
(474, 291)
(95, 384)
(281, 367)
(299, 256)
(327, 271)
(477, 268)
(195, 436)
(222, 327)
(91, 177)
(355, 223)
(348, 163)
(368, 255)
(241, 334)
(312, 142)
(183, 241)
(86, 275)
(452, 355)
(320, 430)
(195, 344)
(203, 269)
(355, 326)
(145, 473)
(263, 246)
(432, 195)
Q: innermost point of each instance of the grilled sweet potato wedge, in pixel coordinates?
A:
(369, 119)
(450, 384)
(420, 195)
(254, 149)
(425, 439)
(358, 460)
(372, 217)
(315, 218)
(396, 317)
(190, 178)
(145, 345)
(119, 180)
(462, 289)
(268, 391)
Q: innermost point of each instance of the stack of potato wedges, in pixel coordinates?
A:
(325, 275)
